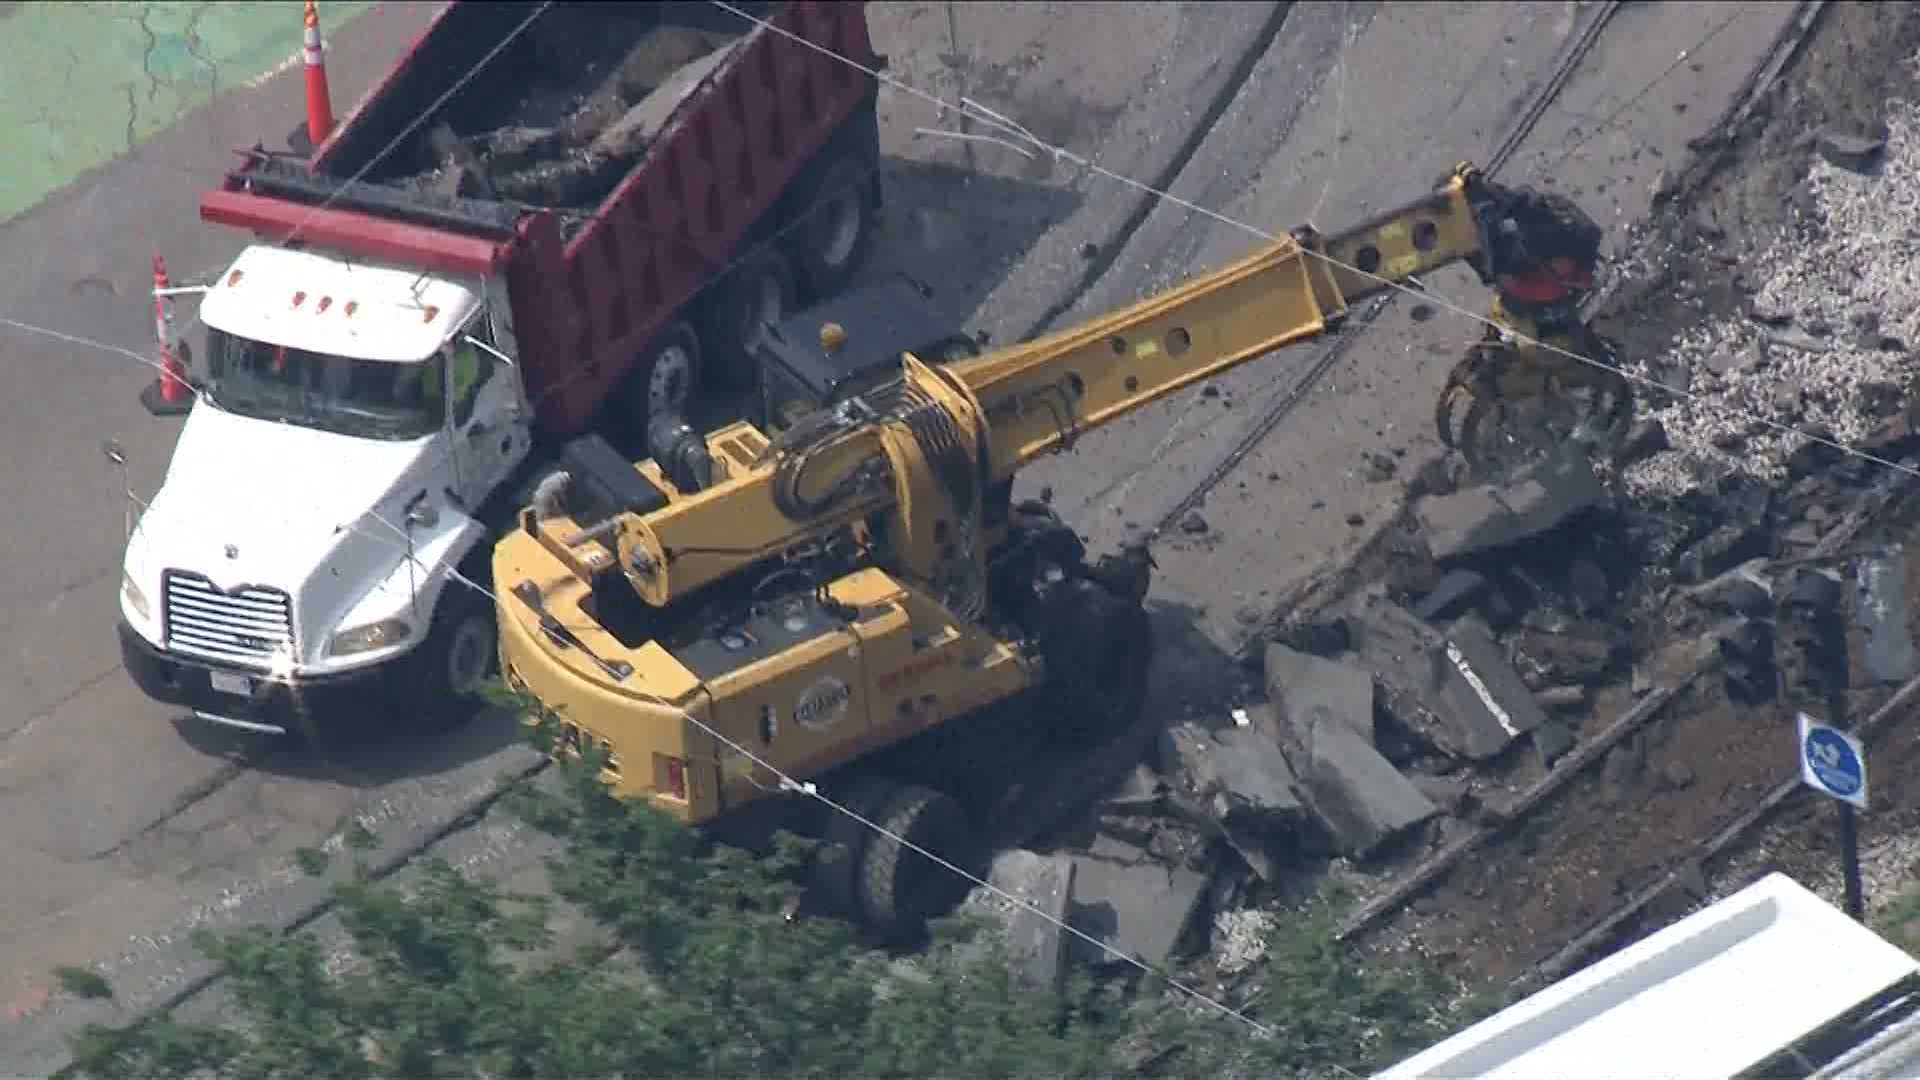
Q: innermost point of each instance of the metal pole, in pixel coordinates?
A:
(1839, 671)
(1817, 668)
(1850, 861)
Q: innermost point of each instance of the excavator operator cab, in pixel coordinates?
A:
(848, 344)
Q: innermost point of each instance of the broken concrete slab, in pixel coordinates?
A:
(1455, 690)
(1129, 903)
(1455, 591)
(1565, 650)
(1551, 741)
(1142, 792)
(1239, 779)
(1036, 944)
(1449, 793)
(1481, 519)
(1306, 689)
(1359, 796)
(1880, 609)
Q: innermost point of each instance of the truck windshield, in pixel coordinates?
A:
(372, 399)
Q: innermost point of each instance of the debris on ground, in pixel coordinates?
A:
(571, 137)
(1513, 630)
(1036, 944)
(1825, 348)
(1131, 903)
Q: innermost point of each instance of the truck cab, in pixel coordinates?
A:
(351, 417)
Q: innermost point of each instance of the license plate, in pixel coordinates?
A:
(237, 685)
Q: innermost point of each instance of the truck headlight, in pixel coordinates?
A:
(134, 598)
(371, 636)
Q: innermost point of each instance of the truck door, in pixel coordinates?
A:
(489, 424)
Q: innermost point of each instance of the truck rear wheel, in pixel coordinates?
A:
(460, 653)
(901, 889)
(666, 378)
(762, 289)
(837, 222)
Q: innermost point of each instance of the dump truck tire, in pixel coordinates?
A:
(901, 889)
(667, 376)
(834, 226)
(763, 288)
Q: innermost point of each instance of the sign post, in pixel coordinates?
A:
(1835, 764)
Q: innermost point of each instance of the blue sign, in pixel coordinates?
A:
(1833, 762)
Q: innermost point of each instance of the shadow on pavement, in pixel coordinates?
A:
(958, 231)
(367, 751)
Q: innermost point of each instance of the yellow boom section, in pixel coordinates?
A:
(1039, 394)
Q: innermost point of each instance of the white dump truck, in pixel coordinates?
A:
(584, 239)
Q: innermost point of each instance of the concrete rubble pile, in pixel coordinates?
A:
(1375, 719)
(568, 147)
(1824, 344)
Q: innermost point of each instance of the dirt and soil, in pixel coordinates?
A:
(1707, 758)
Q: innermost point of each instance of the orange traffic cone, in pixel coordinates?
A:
(319, 101)
(170, 394)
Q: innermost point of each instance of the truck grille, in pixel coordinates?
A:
(250, 625)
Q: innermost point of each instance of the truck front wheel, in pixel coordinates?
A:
(459, 654)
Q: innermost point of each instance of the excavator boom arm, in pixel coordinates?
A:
(1038, 395)
(917, 456)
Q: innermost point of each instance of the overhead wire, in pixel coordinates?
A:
(786, 782)
(1020, 136)
(978, 112)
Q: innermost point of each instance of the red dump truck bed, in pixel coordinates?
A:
(532, 143)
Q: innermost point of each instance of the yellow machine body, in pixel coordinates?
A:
(903, 641)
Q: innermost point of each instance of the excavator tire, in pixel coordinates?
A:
(762, 288)
(835, 880)
(901, 889)
(1098, 647)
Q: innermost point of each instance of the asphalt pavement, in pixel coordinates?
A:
(125, 828)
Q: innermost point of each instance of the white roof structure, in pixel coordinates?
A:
(323, 303)
(1713, 995)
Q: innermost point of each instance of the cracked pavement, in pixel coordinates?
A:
(125, 828)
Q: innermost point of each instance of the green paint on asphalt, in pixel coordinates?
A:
(82, 83)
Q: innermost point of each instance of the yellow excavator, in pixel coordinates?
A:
(842, 589)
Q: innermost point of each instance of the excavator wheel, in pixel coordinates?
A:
(899, 888)
(1097, 646)
(835, 876)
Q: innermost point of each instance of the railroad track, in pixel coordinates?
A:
(1275, 413)
(392, 862)
(1377, 912)
(1685, 872)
